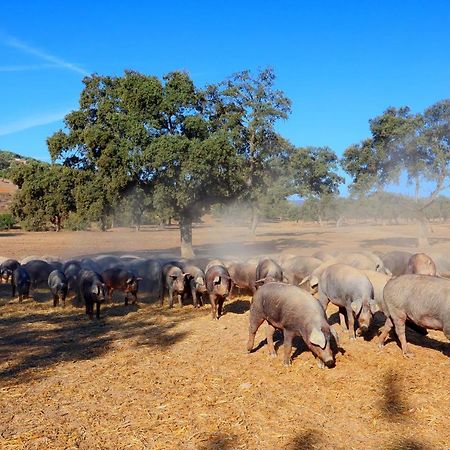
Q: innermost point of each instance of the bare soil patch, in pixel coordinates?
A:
(147, 377)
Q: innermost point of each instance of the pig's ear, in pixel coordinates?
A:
(313, 281)
(373, 305)
(318, 338)
(129, 281)
(356, 306)
(216, 279)
(304, 280)
(199, 280)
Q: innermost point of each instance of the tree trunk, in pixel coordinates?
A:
(57, 223)
(254, 222)
(423, 232)
(186, 237)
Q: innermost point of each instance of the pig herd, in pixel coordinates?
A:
(289, 292)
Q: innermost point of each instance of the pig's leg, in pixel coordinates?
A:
(170, 297)
(270, 330)
(212, 299)
(446, 331)
(180, 298)
(63, 299)
(255, 323)
(219, 307)
(288, 336)
(399, 324)
(343, 319)
(384, 332)
(97, 310)
(163, 291)
(194, 297)
(351, 322)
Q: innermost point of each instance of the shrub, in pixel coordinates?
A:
(6, 221)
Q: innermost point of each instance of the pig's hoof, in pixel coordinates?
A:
(273, 354)
(286, 364)
(408, 354)
(380, 345)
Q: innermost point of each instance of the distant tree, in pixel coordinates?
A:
(250, 106)
(402, 142)
(314, 177)
(45, 194)
(137, 133)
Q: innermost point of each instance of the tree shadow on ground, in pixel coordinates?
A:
(395, 409)
(309, 440)
(35, 341)
(221, 441)
(400, 242)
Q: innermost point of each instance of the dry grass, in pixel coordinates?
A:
(146, 377)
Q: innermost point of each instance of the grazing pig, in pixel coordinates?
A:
(350, 290)
(421, 264)
(7, 269)
(296, 313)
(299, 267)
(57, 282)
(120, 279)
(422, 299)
(267, 271)
(218, 284)
(21, 282)
(92, 289)
(363, 260)
(71, 270)
(39, 271)
(175, 282)
(150, 271)
(242, 276)
(197, 283)
(378, 281)
(396, 261)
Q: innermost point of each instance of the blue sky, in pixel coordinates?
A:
(341, 63)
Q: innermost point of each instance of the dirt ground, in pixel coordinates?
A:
(146, 377)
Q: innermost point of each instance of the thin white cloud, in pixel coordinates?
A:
(13, 42)
(26, 68)
(31, 122)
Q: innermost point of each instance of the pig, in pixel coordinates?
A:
(243, 276)
(396, 261)
(7, 269)
(150, 270)
(197, 283)
(324, 256)
(442, 261)
(296, 313)
(422, 299)
(90, 264)
(299, 267)
(175, 282)
(71, 270)
(366, 260)
(105, 262)
(214, 262)
(120, 279)
(267, 271)
(378, 281)
(59, 286)
(21, 282)
(350, 290)
(39, 271)
(92, 289)
(218, 284)
(421, 264)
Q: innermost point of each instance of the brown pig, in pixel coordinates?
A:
(218, 284)
(295, 312)
(422, 264)
(422, 299)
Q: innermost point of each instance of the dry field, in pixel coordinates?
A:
(145, 377)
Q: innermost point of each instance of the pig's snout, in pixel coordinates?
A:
(330, 363)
